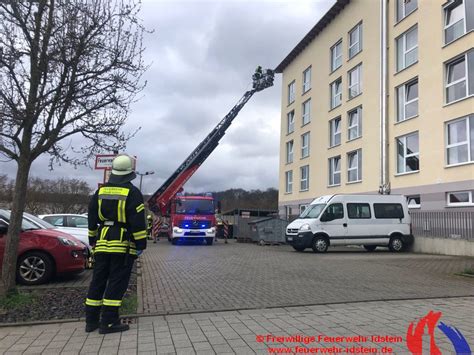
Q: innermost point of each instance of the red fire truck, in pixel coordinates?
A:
(193, 216)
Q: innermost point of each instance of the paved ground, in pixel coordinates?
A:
(242, 332)
(188, 278)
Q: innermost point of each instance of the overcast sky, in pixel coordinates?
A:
(202, 55)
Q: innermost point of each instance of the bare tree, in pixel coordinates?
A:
(67, 68)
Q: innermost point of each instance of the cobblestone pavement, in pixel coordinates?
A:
(242, 332)
(190, 278)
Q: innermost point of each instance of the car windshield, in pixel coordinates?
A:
(313, 211)
(25, 224)
(38, 221)
(194, 207)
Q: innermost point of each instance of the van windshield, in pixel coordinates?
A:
(313, 211)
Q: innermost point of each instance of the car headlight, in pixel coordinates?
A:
(67, 241)
(305, 228)
(177, 230)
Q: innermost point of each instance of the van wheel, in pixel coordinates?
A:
(300, 249)
(320, 245)
(370, 247)
(34, 268)
(396, 244)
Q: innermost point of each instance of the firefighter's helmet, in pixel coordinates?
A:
(149, 216)
(122, 165)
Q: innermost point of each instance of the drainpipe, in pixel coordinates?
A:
(384, 181)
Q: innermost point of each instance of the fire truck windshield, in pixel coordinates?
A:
(194, 207)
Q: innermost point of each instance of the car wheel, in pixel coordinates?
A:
(320, 244)
(370, 247)
(396, 244)
(209, 241)
(34, 268)
(300, 249)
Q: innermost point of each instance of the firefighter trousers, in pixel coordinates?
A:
(109, 283)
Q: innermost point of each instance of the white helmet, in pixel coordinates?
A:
(122, 165)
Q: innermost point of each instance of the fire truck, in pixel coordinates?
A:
(192, 217)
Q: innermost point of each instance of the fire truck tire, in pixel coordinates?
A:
(209, 241)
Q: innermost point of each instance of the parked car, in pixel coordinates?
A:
(368, 220)
(42, 253)
(74, 224)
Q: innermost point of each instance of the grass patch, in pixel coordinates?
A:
(129, 305)
(16, 300)
(469, 271)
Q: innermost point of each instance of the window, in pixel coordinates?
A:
(414, 201)
(407, 49)
(407, 95)
(306, 109)
(355, 40)
(354, 129)
(460, 77)
(335, 171)
(289, 182)
(336, 93)
(335, 132)
(57, 221)
(455, 24)
(291, 92)
(460, 198)
(306, 80)
(358, 210)
(355, 81)
(77, 222)
(304, 182)
(354, 166)
(460, 139)
(302, 208)
(408, 153)
(334, 211)
(336, 56)
(290, 117)
(289, 152)
(305, 145)
(388, 210)
(405, 8)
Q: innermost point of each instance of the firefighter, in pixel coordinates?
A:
(149, 228)
(117, 233)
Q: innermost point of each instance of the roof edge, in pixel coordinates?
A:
(323, 22)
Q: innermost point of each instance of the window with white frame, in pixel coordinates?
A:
(335, 132)
(336, 93)
(407, 96)
(460, 77)
(354, 166)
(336, 55)
(290, 118)
(414, 201)
(289, 152)
(405, 8)
(335, 171)
(289, 181)
(407, 48)
(455, 24)
(355, 40)
(355, 81)
(306, 110)
(304, 182)
(408, 153)
(291, 92)
(460, 140)
(354, 123)
(460, 198)
(305, 145)
(306, 80)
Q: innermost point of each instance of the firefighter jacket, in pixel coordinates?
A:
(117, 219)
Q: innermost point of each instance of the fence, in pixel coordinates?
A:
(443, 224)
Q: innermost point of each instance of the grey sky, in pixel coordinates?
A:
(202, 56)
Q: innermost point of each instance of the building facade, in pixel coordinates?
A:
(379, 98)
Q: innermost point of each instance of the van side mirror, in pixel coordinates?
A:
(3, 229)
(326, 217)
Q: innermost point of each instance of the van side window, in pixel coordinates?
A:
(358, 210)
(388, 210)
(334, 211)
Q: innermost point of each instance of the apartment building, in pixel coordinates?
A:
(378, 97)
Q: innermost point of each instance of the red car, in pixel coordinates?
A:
(42, 253)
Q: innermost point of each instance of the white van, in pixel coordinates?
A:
(368, 220)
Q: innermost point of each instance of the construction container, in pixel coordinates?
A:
(240, 219)
(268, 230)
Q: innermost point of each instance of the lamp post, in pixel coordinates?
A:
(141, 176)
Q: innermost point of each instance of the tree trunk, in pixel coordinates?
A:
(7, 281)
